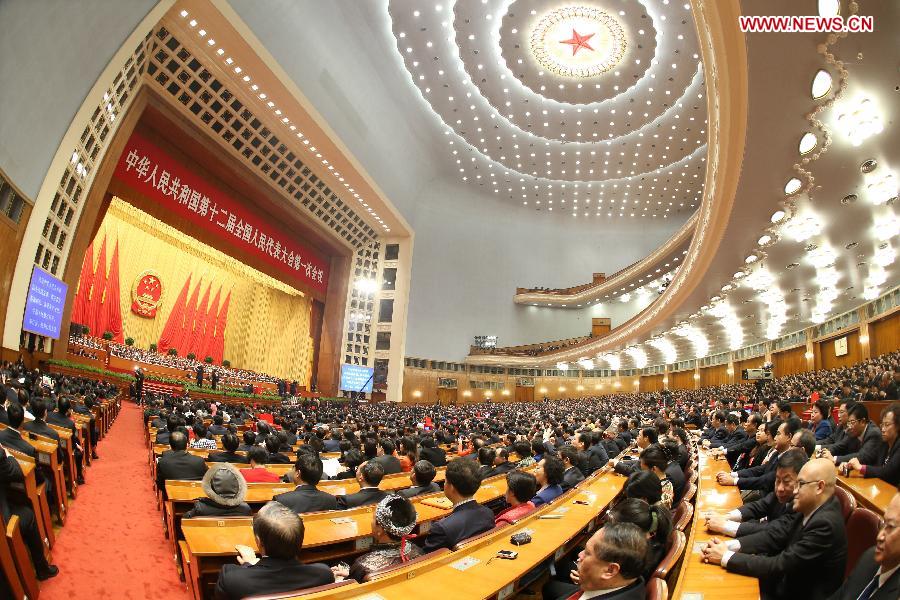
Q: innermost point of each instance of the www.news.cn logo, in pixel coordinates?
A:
(804, 24)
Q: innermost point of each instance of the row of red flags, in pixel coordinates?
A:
(97, 300)
(194, 325)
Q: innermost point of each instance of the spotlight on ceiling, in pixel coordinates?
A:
(821, 84)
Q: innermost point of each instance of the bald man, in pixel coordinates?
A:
(800, 557)
(877, 573)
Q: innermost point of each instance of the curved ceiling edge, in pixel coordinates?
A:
(725, 54)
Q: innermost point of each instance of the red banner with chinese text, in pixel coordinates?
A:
(148, 169)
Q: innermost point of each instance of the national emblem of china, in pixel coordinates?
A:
(146, 294)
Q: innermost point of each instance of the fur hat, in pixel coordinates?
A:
(224, 484)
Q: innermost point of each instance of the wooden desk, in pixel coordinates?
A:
(873, 493)
(712, 581)
(65, 443)
(36, 497)
(210, 542)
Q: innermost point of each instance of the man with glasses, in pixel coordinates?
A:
(800, 557)
(756, 516)
(863, 439)
(761, 478)
(877, 573)
(887, 465)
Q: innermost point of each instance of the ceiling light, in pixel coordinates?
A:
(777, 216)
(751, 259)
(859, 120)
(881, 189)
(887, 227)
(821, 257)
(821, 84)
(586, 363)
(792, 186)
(802, 228)
(829, 8)
(764, 240)
(562, 366)
(808, 143)
(637, 355)
(583, 54)
(884, 255)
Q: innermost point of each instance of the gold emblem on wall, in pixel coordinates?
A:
(146, 294)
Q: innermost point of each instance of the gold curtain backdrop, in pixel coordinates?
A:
(268, 321)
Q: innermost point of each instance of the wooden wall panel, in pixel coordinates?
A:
(682, 380)
(884, 335)
(825, 352)
(11, 235)
(788, 362)
(715, 375)
(652, 383)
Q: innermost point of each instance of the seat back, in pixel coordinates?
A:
(862, 529)
(675, 550)
(690, 492)
(478, 536)
(848, 502)
(303, 592)
(387, 570)
(657, 589)
(682, 515)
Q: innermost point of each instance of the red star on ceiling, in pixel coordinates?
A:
(578, 42)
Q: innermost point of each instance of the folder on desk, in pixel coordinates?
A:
(443, 503)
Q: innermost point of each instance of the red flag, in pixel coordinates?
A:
(199, 325)
(184, 337)
(98, 315)
(209, 332)
(172, 329)
(221, 321)
(112, 304)
(79, 306)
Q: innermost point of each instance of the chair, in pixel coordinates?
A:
(848, 502)
(388, 570)
(657, 589)
(476, 537)
(303, 592)
(862, 529)
(682, 515)
(690, 492)
(675, 550)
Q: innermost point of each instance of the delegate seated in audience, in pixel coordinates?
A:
(249, 441)
(369, 475)
(230, 442)
(653, 519)
(645, 486)
(502, 464)
(572, 475)
(258, 473)
(736, 433)
(422, 479)
(408, 454)
(863, 440)
(733, 451)
(273, 448)
(392, 522)
(611, 564)
(523, 450)
(520, 488)
(12, 438)
(876, 575)
(279, 536)
(468, 517)
(820, 420)
(800, 557)
(202, 441)
(886, 465)
(597, 456)
(549, 475)
(352, 459)
(655, 459)
(10, 473)
(762, 478)
(486, 457)
(177, 463)
(759, 514)
(218, 426)
(716, 432)
(225, 491)
(306, 497)
(430, 452)
(387, 457)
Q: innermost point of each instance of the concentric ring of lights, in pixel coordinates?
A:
(610, 55)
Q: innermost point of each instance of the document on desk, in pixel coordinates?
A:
(465, 563)
(331, 466)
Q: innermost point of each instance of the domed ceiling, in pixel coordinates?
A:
(592, 108)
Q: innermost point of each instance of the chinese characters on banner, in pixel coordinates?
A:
(150, 170)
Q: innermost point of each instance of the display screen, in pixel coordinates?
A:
(355, 378)
(45, 304)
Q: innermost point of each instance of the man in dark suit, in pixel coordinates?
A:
(369, 475)
(716, 431)
(306, 498)
(331, 444)
(572, 476)
(886, 465)
(11, 472)
(62, 417)
(733, 451)
(800, 557)
(386, 458)
(877, 572)
(39, 425)
(12, 438)
(218, 426)
(502, 465)
(756, 516)
(430, 452)
(736, 433)
(279, 534)
(863, 440)
(597, 456)
(199, 375)
(422, 478)
(762, 477)
(230, 442)
(178, 464)
(214, 379)
(609, 566)
(468, 517)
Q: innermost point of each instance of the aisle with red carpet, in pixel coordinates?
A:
(113, 545)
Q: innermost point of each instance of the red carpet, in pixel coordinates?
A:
(113, 545)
